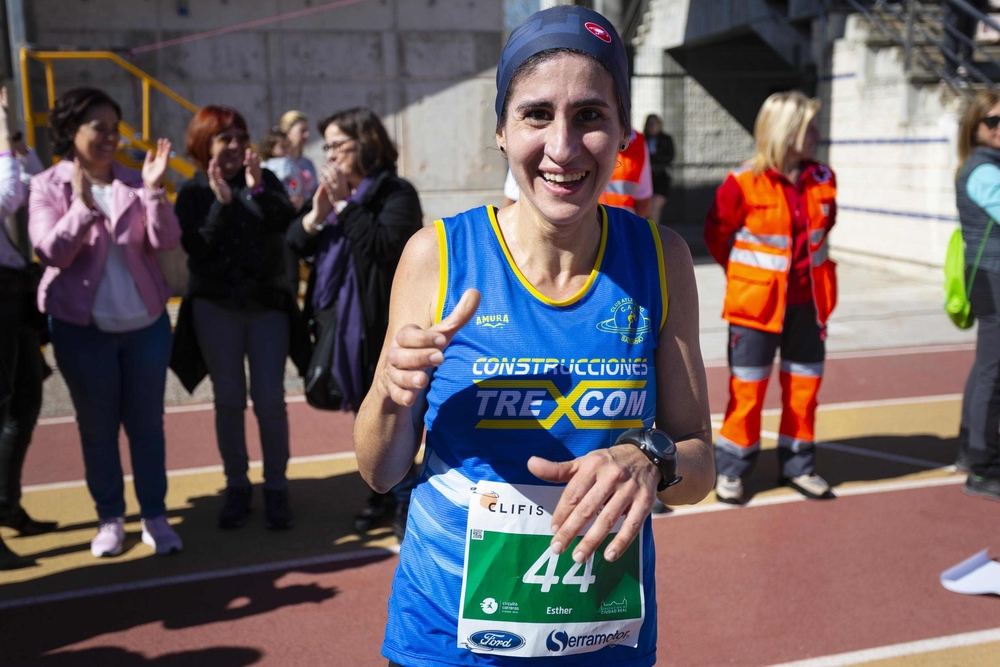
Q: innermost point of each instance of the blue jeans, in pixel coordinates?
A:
(118, 379)
(226, 336)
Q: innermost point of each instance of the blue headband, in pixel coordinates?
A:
(565, 27)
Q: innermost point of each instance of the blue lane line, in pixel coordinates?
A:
(898, 214)
(872, 142)
(833, 77)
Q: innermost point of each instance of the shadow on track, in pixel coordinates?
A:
(116, 657)
(324, 510)
(838, 467)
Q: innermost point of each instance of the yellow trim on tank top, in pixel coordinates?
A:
(531, 288)
(442, 269)
(662, 269)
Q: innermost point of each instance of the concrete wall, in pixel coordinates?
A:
(426, 66)
(892, 145)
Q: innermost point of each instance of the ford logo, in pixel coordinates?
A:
(496, 640)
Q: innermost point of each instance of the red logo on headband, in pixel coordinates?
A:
(598, 32)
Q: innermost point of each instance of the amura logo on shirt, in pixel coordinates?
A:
(492, 321)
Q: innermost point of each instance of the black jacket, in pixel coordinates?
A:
(378, 228)
(235, 258)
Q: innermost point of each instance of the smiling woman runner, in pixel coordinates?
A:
(529, 540)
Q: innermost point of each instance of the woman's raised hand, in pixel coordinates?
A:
(606, 484)
(81, 185)
(252, 162)
(413, 350)
(218, 183)
(155, 165)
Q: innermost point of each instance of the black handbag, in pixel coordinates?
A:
(322, 390)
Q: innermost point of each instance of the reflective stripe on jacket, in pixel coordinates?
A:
(760, 252)
(625, 178)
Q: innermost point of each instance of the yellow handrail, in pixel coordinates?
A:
(33, 120)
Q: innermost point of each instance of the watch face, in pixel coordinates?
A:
(662, 444)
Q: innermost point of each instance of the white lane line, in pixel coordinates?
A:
(293, 564)
(899, 650)
(170, 409)
(716, 422)
(861, 451)
(191, 471)
(885, 456)
(882, 352)
(864, 490)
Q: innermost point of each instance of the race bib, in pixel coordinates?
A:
(520, 599)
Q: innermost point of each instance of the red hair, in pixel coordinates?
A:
(206, 124)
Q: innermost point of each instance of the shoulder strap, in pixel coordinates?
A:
(979, 255)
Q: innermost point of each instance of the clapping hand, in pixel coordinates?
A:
(81, 185)
(254, 176)
(413, 350)
(218, 183)
(335, 182)
(155, 165)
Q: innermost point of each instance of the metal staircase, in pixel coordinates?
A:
(917, 27)
(134, 141)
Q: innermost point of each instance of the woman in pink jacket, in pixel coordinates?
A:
(97, 227)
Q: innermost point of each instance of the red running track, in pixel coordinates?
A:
(55, 456)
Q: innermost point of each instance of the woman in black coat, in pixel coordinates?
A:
(355, 228)
(239, 304)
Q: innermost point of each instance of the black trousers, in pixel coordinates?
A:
(980, 431)
(964, 24)
(22, 362)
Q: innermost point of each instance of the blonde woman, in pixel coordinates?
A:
(977, 191)
(768, 229)
(295, 126)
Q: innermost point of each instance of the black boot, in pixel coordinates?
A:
(19, 520)
(236, 507)
(399, 522)
(10, 560)
(277, 514)
(381, 507)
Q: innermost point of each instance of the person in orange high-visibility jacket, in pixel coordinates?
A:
(631, 185)
(769, 229)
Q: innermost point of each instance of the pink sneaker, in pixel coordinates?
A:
(158, 534)
(109, 539)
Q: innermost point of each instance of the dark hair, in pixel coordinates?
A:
(68, 113)
(535, 61)
(207, 123)
(375, 148)
(271, 138)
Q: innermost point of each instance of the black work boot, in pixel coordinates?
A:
(277, 514)
(983, 487)
(235, 508)
(19, 520)
(381, 507)
(11, 561)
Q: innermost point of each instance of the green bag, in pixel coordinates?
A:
(956, 294)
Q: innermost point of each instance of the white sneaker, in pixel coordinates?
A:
(729, 490)
(109, 539)
(811, 486)
(158, 534)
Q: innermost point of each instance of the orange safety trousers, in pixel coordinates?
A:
(751, 358)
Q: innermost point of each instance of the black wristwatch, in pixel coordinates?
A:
(658, 448)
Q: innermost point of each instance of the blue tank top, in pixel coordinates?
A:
(527, 376)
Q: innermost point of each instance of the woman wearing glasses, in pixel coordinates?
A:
(356, 227)
(978, 193)
(97, 226)
(239, 304)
